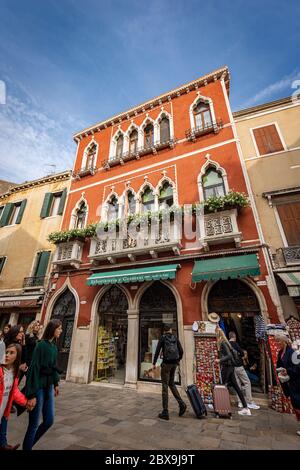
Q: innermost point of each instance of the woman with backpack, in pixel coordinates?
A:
(227, 363)
(172, 353)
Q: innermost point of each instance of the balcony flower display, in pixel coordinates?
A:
(231, 200)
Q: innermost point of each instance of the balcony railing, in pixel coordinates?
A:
(220, 227)
(287, 256)
(68, 254)
(140, 152)
(110, 249)
(213, 126)
(84, 172)
(35, 281)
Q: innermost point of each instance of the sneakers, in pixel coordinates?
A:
(240, 405)
(245, 412)
(298, 432)
(253, 406)
(164, 415)
(182, 409)
(8, 447)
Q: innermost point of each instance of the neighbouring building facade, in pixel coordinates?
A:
(270, 141)
(28, 212)
(113, 294)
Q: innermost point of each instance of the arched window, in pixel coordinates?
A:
(148, 200)
(213, 184)
(113, 209)
(164, 127)
(133, 141)
(202, 115)
(149, 136)
(119, 146)
(81, 216)
(166, 199)
(91, 157)
(129, 203)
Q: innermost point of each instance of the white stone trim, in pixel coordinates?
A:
(67, 285)
(104, 212)
(122, 199)
(267, 125)
(132, 127)
(74, 211)
(166, 179)
(140, 193)
(280, 226)
(161, 115)
(206, 100)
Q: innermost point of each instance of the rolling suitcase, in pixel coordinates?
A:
(196, 401)
(221, 400)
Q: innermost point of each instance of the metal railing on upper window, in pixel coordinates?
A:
(212, 126)
(35, 281)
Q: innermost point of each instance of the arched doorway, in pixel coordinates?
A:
(111, 352)
(237, 305)
(64, 310)
(157, 307)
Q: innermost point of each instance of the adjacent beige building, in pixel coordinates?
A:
(270, 140)
(28, 213)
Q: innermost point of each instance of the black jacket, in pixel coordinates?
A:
(160, 346)
(240, 352)
(292, 387)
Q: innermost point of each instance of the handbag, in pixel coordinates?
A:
(282, 378)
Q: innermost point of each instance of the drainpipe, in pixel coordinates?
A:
(253, 204)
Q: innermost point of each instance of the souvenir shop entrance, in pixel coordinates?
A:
(110, 363)
(239, 310)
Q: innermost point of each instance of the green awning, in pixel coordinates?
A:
(153, 273)
(230, 267)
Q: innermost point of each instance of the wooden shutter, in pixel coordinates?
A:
(62, 202)
(46, 205)
(2, 261)
(21, 211)
(267, 139)
(6, 214)
(290, 218)
(42, 263)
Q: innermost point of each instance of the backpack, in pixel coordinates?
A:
(171, 352)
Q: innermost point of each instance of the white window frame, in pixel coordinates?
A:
(85, 154)
(203, 99)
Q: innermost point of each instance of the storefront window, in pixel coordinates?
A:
(157, 308)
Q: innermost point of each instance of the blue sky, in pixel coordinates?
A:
(68, 64)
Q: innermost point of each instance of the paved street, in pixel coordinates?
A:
(97, 417)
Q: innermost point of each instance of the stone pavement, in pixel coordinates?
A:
(98, 417)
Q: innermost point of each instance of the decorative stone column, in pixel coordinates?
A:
(132, 349)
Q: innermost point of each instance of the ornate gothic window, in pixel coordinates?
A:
(133, 141)
(202, 115)
(166, 198)
(130, 203)
(81, 215)
(148, 200)
(113, 209)
(119, 146)
(149, 136)
(91, 157)
(164, 127)
(213, 184)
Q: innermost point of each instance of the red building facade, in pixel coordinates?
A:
(114, 294)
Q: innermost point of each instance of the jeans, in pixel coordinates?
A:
(228, 378)
(167, 378)
(243, 382)
(3, 432)
(44, 406)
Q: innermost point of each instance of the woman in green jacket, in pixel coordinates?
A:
(42, 383)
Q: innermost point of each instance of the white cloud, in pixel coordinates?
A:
(32, 143)
(281, 85)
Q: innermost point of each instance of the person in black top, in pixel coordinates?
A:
(172, 352)
(31, 338)
(241, 374)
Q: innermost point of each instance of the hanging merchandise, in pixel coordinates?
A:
(294, 328)
(260, 327)
(105, 354)
(206, 352)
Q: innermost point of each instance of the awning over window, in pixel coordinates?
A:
(292, 281)
(230, 267)
(153, 273)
